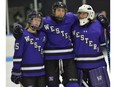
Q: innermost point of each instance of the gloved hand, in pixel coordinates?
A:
(16, 76)
(103, 20)
(17, 31)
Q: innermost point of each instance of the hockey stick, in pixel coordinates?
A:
(108, 48)
(84, 83)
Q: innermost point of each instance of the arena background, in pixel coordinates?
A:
(16, 11)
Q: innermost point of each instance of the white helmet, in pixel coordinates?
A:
(89, 10)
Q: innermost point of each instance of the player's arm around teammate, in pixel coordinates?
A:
(90, 62)
(28, 60)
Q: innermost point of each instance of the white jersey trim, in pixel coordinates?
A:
(17, 60)
(33, 68)
(17, 74)
(103, 44)
(58, 51)
(89, 58)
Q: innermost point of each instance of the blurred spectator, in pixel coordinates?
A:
(18, 18)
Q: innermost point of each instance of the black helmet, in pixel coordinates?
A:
(35, 14)
(58, 4)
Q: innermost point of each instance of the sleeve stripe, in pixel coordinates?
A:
(17, 74)
(88, 58)
(33, 68)
(103, 44)
(17, 60)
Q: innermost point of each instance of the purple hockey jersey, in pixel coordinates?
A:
(87, 40)
(58, 45)
(28, 55)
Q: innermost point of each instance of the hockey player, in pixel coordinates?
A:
(58, 46)
(28, 62)
(88, 35)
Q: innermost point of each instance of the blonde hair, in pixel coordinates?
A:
(27, 25)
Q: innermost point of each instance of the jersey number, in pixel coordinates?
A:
(16, 46)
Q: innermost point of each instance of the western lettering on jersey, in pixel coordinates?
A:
(62, 32)
(31, 41)
(52, 28)
(66, 35)
(69, 38)
(86, 40)
(77, 34)
(74, 32)
(97, 49)
(46, 27)
(57, 31)
(89, 42)
(27, 38)
(82, 37)
(35, 45)
(94, 46)
(39, 47)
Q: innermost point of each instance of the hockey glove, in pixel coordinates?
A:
(16, 76)
(103, 20)
(17, 31)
